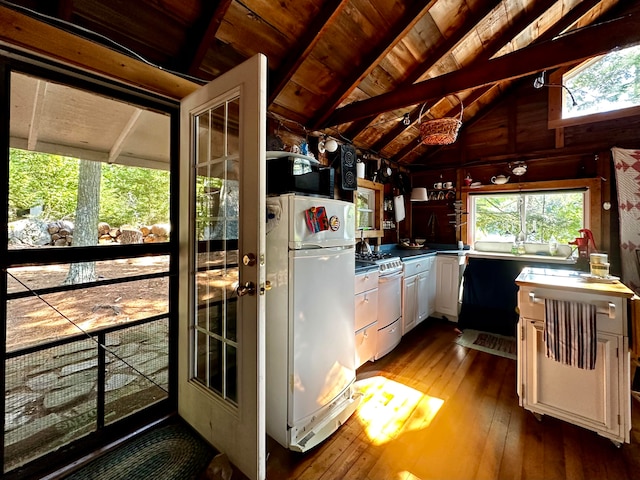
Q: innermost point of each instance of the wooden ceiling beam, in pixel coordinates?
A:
(570, 48)
(25, 33)
(520, 23)
(201, 36)
(65, 9)
(322, 21)
(391, 38)
(440, 51)
(559, 27)
(36, 114)
(523, 22)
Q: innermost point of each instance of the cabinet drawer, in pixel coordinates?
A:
(366, 281)
(366, 344)
(413, 267)
(531, 305)
(366, 308)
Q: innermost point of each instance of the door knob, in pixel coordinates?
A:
(266, 287)
(249, 288)
(249, 260)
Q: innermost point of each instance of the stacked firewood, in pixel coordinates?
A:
(61, 233)
(128, 234)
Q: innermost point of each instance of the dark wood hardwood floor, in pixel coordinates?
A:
(455, 416)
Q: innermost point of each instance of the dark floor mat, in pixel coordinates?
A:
(169, 452)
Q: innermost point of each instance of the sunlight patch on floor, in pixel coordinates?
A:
(389, 408)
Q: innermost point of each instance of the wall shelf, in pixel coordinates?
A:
(369, 200)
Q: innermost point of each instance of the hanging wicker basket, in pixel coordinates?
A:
(440, 131)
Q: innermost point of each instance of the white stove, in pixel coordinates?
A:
(389, 299)
(387, 264)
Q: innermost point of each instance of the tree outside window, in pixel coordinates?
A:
(606, 83)
(540, 216)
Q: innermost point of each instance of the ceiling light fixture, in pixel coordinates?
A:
(321, 144)
(539, 82)
(419, 194)
(326, 144)
(331, 145)
(518, 168)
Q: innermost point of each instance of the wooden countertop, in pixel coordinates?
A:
(569, 280)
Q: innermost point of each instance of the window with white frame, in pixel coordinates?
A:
(536, 217)
(603, 88)
(606, 83)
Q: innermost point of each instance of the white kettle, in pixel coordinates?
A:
(499, 180)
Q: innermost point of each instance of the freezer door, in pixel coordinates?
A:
(339, 229)
(322, 342)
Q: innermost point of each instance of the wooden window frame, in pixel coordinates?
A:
(555, 120)
(593, 186)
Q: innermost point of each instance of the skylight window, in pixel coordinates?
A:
(607, 83)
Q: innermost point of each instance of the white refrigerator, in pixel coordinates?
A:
(310, 324)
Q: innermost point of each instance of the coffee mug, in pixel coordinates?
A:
(447, 184)
(437, 185)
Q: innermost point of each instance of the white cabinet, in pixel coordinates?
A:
(448, 277)
(571, 393)
(597, 399)
(417, 299)
(366, 303)
(423, 295)
(409, 303)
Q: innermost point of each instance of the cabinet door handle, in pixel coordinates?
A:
(610, 309)
(366, 299)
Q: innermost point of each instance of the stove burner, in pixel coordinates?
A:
(385, 262)
(367, 257)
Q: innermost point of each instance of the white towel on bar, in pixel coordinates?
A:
(570, 332)
(398, 207)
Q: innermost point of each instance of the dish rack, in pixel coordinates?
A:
(458, 214)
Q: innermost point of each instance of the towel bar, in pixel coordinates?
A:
(609, 309)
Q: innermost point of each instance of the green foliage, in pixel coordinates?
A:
(496, 216)
(129, 195)
(41, 179)
(135, 196)
(608, 83)
(546, 215)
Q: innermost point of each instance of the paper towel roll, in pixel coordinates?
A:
(398, 207)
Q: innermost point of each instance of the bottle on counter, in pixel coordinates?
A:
(520, 243)
(553, 246)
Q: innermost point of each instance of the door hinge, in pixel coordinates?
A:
(619, 420)
(521, 332)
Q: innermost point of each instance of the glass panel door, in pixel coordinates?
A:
(216, 248)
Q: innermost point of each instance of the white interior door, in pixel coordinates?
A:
(222, 243)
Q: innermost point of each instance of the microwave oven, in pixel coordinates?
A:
(295, 173)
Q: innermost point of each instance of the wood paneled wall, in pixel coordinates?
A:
(517, 130)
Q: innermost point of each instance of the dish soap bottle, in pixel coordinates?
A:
(553, 246)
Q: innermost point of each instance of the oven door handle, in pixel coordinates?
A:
(389, 278)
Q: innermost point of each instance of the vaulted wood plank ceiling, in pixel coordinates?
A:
(354, 69)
